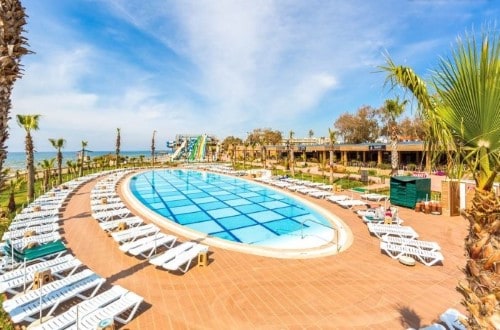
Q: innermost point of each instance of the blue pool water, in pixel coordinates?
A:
(225, 207)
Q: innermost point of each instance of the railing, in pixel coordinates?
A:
(324, 225)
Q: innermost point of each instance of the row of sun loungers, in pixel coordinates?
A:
(402, 241)
(28, 258)
(395, 240)
(142, 240)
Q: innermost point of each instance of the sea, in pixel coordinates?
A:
(17, 160)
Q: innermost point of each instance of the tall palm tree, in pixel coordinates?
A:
(12, 47)
(118, 142)
(310, 133)
(82, 155)
(58, 144)
(332, 138)
(465, 115)
(153, 148)
(392, 109)
(29, 123)
(292, 167)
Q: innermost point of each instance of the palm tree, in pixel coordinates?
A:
(72, 166)
(153, 149)
(47, 165)
(332, 137)
(12, 47)
(82, 155)
(58, 144)
(310, 133)
(29, 123)
(392, 109)
(118, 142)
(465, 115)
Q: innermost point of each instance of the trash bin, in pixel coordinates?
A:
(364, 176)
(203, 259)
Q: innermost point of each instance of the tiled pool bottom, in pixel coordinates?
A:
(231, 209)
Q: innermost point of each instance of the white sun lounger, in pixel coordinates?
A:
(374, 197)
(149, 246)
(131, 234)
(16, 225)
(36, 215)
(113, 224)
(350, 203)
(23, 242)
(184, 258)
(128, 302)
(148, 243)
(320, 194)
(395, 251)
(426, 245)
(168, 255)
(380, 230)
(71, 316)
(113, 214)
(21, 308)
(337, 198)
(26, 280)
(107, 207)
(108, 200)
(19, 272)
(36, 230)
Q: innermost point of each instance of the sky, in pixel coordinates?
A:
(220, 67)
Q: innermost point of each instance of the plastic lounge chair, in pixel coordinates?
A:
(113, 224)
(426, 245)
(7, 276)
(320, 194)
(26, 279)
(151, 244)
(129, 301)
(131, 234)
(71, 316)
(337, 198)
(97, 201)
(184, 258)
(19, 224)
(22, 243)
(453, 319)
(395, 251)
(380, 230)
(112, 214)
(350, 203)
(35, 215)
(107, 207)
(168, 255)
(36, 230)
(51, 295)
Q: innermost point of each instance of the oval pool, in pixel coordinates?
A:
(235, 213)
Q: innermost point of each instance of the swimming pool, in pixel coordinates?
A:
(233, 210)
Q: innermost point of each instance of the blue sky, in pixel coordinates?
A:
(221, 67)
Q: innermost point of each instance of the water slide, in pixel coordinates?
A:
(178, 150)
(198, 150)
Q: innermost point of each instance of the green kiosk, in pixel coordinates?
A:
(408, 190)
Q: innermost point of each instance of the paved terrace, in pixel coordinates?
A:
(360, 288)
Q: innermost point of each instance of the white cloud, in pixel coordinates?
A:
(221, 67)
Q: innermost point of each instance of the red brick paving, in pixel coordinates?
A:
(360, 288)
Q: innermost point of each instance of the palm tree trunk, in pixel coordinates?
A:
(59, 167)
(481, 289)
(30, 167)
(394, 150)
(331, 166)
